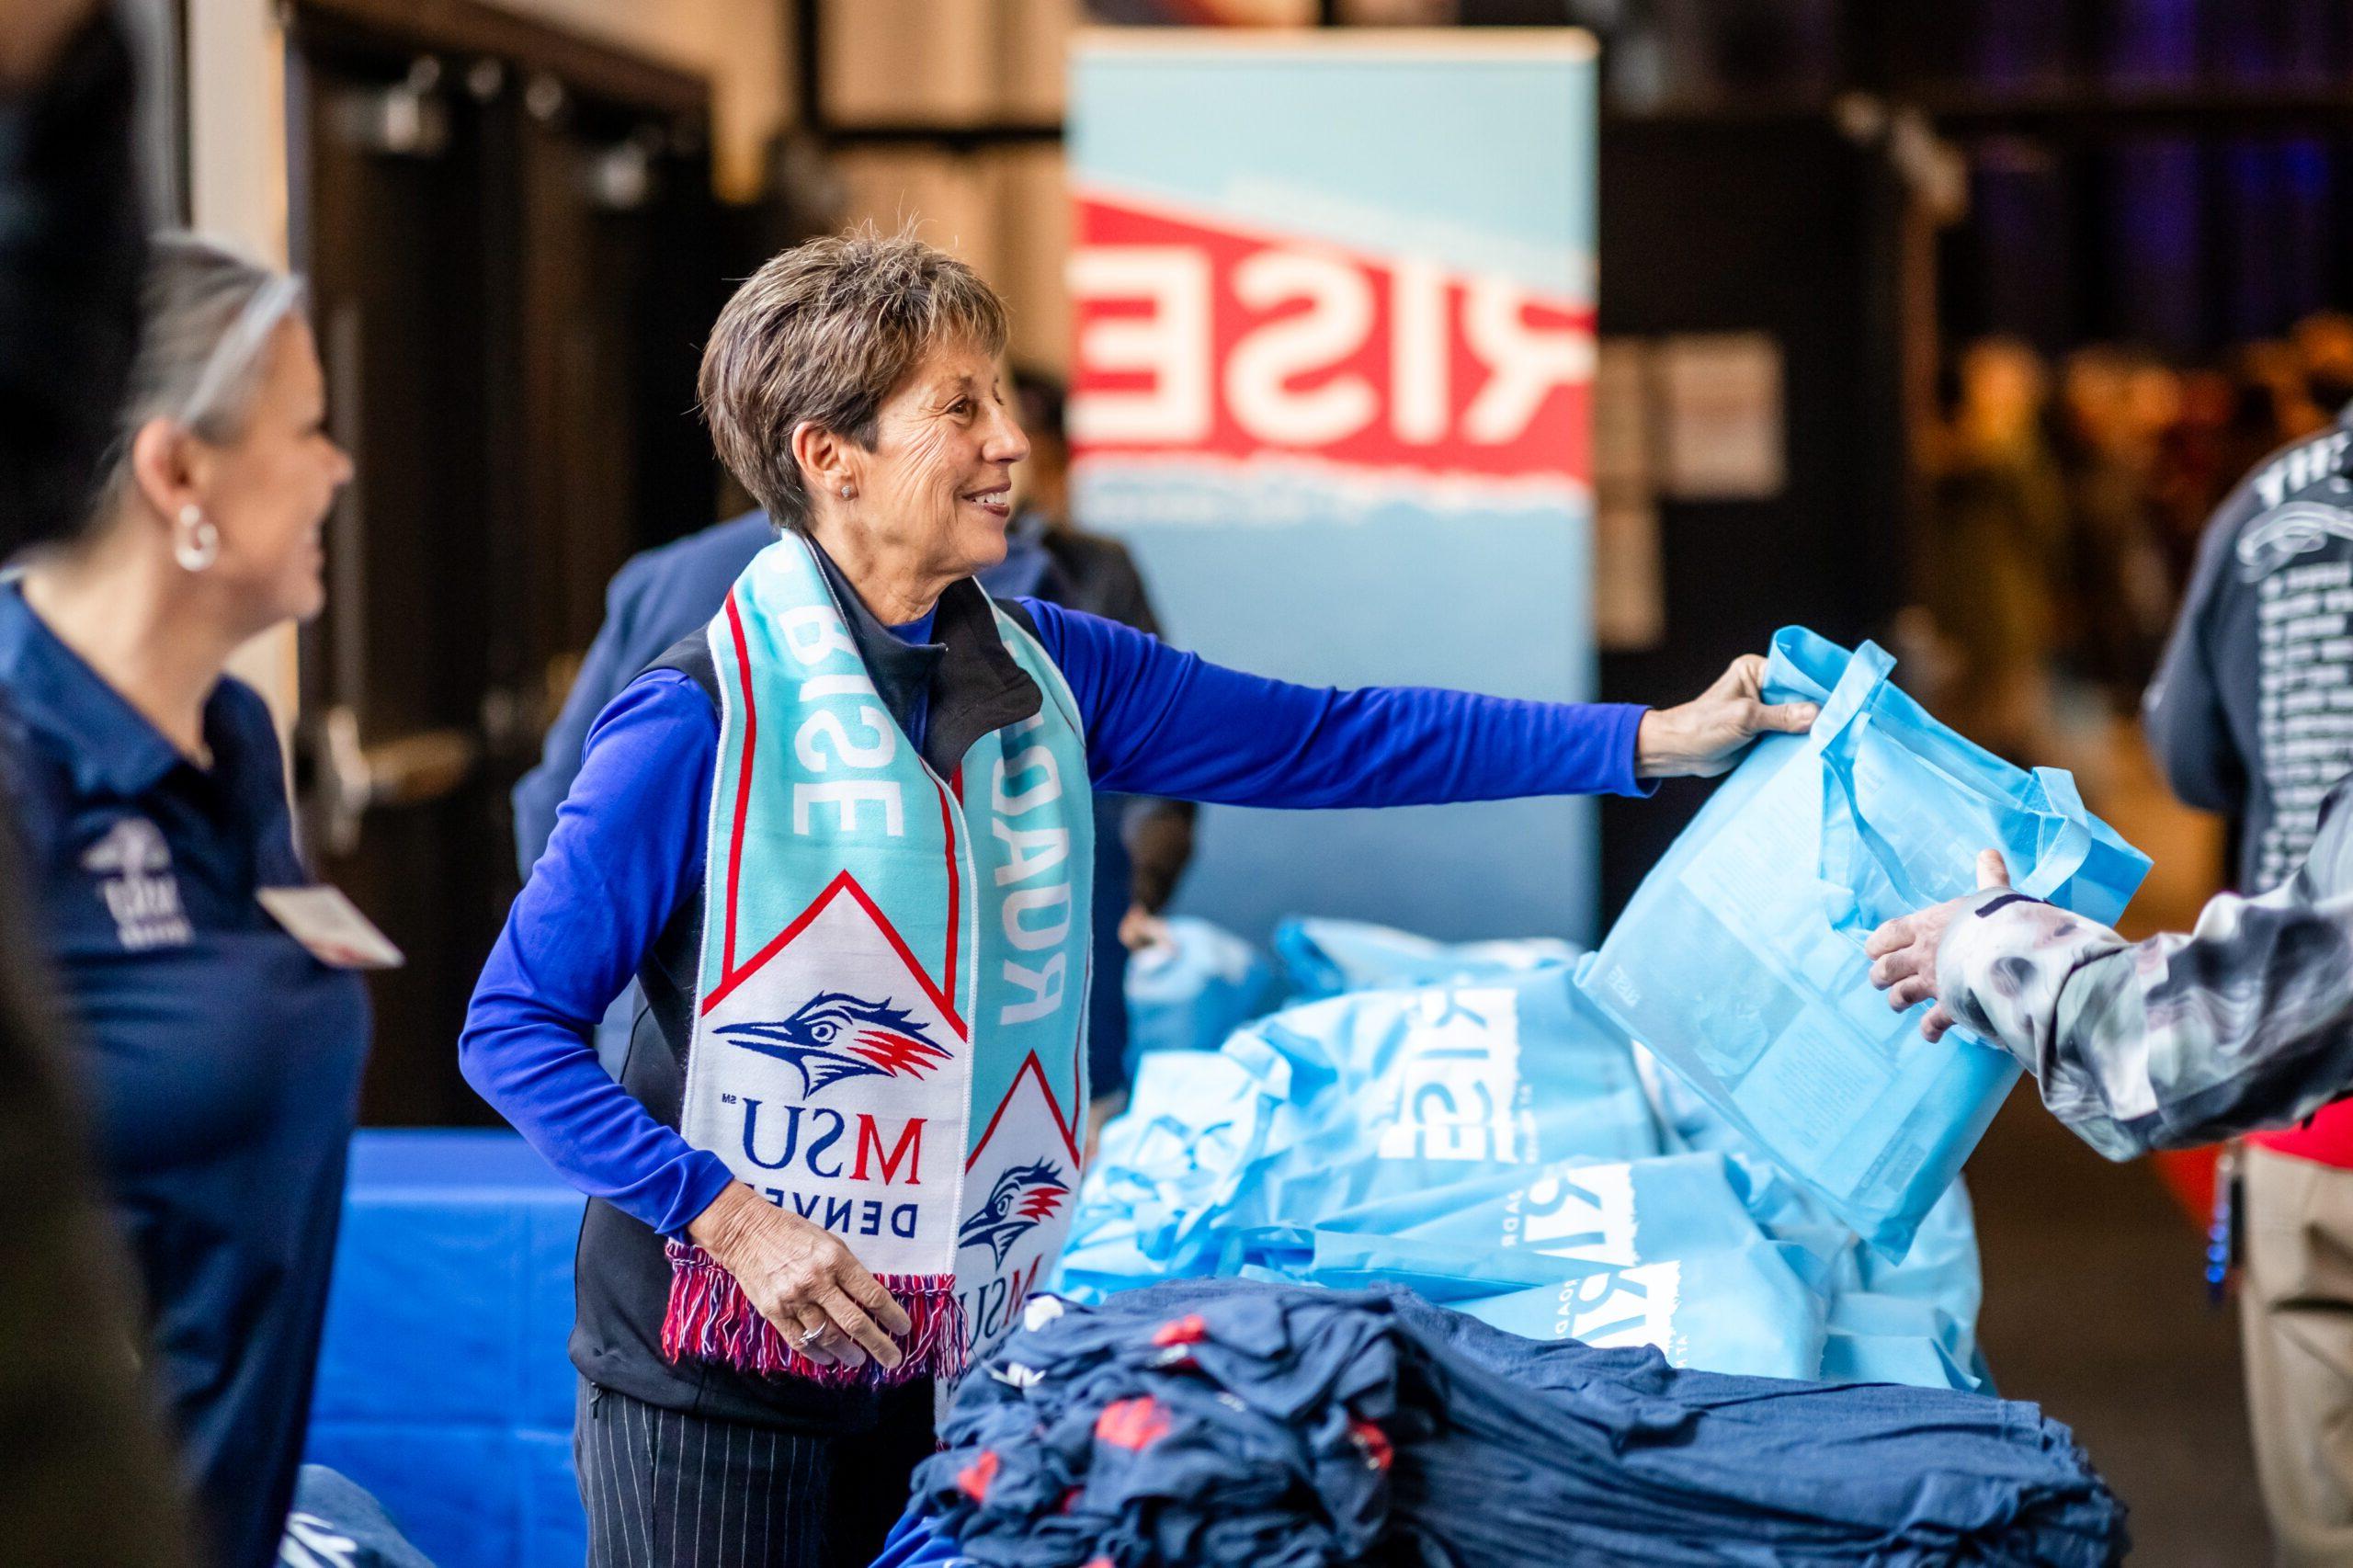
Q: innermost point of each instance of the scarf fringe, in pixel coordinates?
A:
(710, 1319)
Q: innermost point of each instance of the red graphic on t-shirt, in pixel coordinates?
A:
(1132, 1423)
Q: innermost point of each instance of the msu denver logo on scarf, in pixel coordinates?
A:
(835, 1035)
(1024, 1198)
(832, 1037)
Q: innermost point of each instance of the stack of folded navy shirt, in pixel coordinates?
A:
(1233, 1421)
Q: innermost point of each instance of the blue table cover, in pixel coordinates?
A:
(443, 1387)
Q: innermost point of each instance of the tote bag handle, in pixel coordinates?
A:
(2065, 841)
(2062, 837)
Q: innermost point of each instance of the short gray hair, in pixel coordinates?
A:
(208, 314)
(825, 333)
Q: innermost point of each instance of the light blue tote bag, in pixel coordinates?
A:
(1191, 990)
(1740, 961)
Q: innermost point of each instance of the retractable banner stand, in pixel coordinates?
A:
(1333, 358)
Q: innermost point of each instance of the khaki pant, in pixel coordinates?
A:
(2296, 1319)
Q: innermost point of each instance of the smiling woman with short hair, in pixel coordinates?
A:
(842, 837)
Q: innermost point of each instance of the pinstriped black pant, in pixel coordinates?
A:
(667, 1490)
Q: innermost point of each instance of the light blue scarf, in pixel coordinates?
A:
(891, 1037)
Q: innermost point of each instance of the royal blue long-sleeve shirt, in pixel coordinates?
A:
(629, 842)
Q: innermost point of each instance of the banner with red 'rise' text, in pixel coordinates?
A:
(1331, 381)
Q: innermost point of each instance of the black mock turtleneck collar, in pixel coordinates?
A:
(972, 682)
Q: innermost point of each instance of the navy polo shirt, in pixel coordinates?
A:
(218, 1061)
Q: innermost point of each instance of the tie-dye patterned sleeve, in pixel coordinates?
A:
(2246, 1022)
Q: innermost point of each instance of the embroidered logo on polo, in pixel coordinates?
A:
(1024, 1197)
(836, 1035)
(134, 868)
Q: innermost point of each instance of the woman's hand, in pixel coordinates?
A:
(1904, 951)
(1701, 738)
(803, 1279)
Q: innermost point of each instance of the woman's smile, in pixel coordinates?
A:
(996, 500)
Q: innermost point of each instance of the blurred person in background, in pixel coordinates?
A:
(220, 1059)
(736, 1351)
(2210, 412)
(2000, 538)
(85, 1480)
(2323, 345)
(2180, 422)
(2271, 406)
(2277, 369)
(657, 596)
(2113, 407)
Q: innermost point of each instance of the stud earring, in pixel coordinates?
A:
(195, 543)
(846, 492)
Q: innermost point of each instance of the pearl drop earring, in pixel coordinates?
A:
(196, 543)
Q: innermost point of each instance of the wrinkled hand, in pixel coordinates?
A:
(803, 1279)
(1141, 928)
(1704, 736)
(1904, 951)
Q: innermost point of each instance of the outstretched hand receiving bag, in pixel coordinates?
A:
(1740, 961)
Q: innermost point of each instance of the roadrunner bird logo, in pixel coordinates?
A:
(835, 1035)
(1022, 1198)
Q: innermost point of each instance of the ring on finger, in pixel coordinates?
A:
(814, 1335)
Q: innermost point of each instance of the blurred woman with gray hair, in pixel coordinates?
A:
(843, 838)
(220, 1059)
